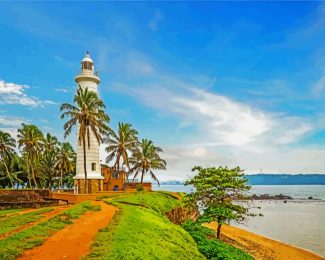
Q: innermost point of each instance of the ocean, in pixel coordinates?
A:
(300, 222)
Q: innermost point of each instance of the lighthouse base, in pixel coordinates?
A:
(94, 185)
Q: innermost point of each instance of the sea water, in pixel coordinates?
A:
(299, 222)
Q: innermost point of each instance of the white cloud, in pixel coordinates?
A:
(221, 120)
(226, 122)
(12, 88)
(65, 90)
(12, 93)
(139, 67)
(11, 124)
(319, 87)
(154, 22)
(218, 130)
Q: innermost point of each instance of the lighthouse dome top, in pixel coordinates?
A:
(87, 58)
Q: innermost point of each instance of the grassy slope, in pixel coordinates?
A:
(9, 211)
(141, 231)
(18, 221)
(14, 245)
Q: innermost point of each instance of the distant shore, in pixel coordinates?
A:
(262, 247)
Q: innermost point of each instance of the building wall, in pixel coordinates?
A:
(110, 181)
(94, 185)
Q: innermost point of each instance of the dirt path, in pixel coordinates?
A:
(262, 248)
(47, 215)
(74, 240)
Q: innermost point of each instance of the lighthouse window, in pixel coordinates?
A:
(93, 166)
(87, 65)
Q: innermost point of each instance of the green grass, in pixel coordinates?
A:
(140, 230)
(14, 245)
(108, 196)
(159, 201)
(9, 211)
(211, 247)
(17, 221)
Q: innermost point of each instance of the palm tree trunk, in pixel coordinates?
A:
(50, 182)
(117, 164)
(142, 176)
(29, 178)
(85, 165)
(61, 178)
(33, 176)
(8, 174)
(29, 170)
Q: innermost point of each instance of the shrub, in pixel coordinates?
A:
(211, 247)
(140, 187)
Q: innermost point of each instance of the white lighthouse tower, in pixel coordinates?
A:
(88, 78)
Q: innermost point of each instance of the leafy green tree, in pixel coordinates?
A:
(17, 170)
(121, 144)
(145, 159)
(7, 149)
(50, 148)
(220, 192)
(87, 113)
(30, 139)
(66, 159)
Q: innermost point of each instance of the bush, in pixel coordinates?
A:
(211, 247)
(140, 187)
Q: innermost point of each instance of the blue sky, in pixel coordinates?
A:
(211, 83)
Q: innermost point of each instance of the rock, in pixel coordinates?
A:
(270, 197)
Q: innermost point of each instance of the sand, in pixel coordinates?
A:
(262, 247)
(74, 241)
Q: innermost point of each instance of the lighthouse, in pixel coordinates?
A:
(88, 78)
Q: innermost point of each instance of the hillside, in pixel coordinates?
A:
(140, 230)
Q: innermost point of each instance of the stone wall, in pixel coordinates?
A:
(23, 195)
(147, 186)
(25, 199)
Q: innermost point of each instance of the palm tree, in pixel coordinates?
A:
(88, 113)
(49, 158)
(65, 161)
(7, 149)
(145, 159)
(30, 137)
(120, 144)
(17, 169)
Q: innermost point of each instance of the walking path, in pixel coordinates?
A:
(47, 215)
(74, 241)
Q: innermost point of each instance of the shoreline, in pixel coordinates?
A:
(261, 247)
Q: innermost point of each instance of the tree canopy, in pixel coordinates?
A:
(220, 194)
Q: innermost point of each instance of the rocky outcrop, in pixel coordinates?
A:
(180, 215)
(270, 197)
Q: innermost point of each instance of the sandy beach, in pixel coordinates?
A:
(262, 247)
